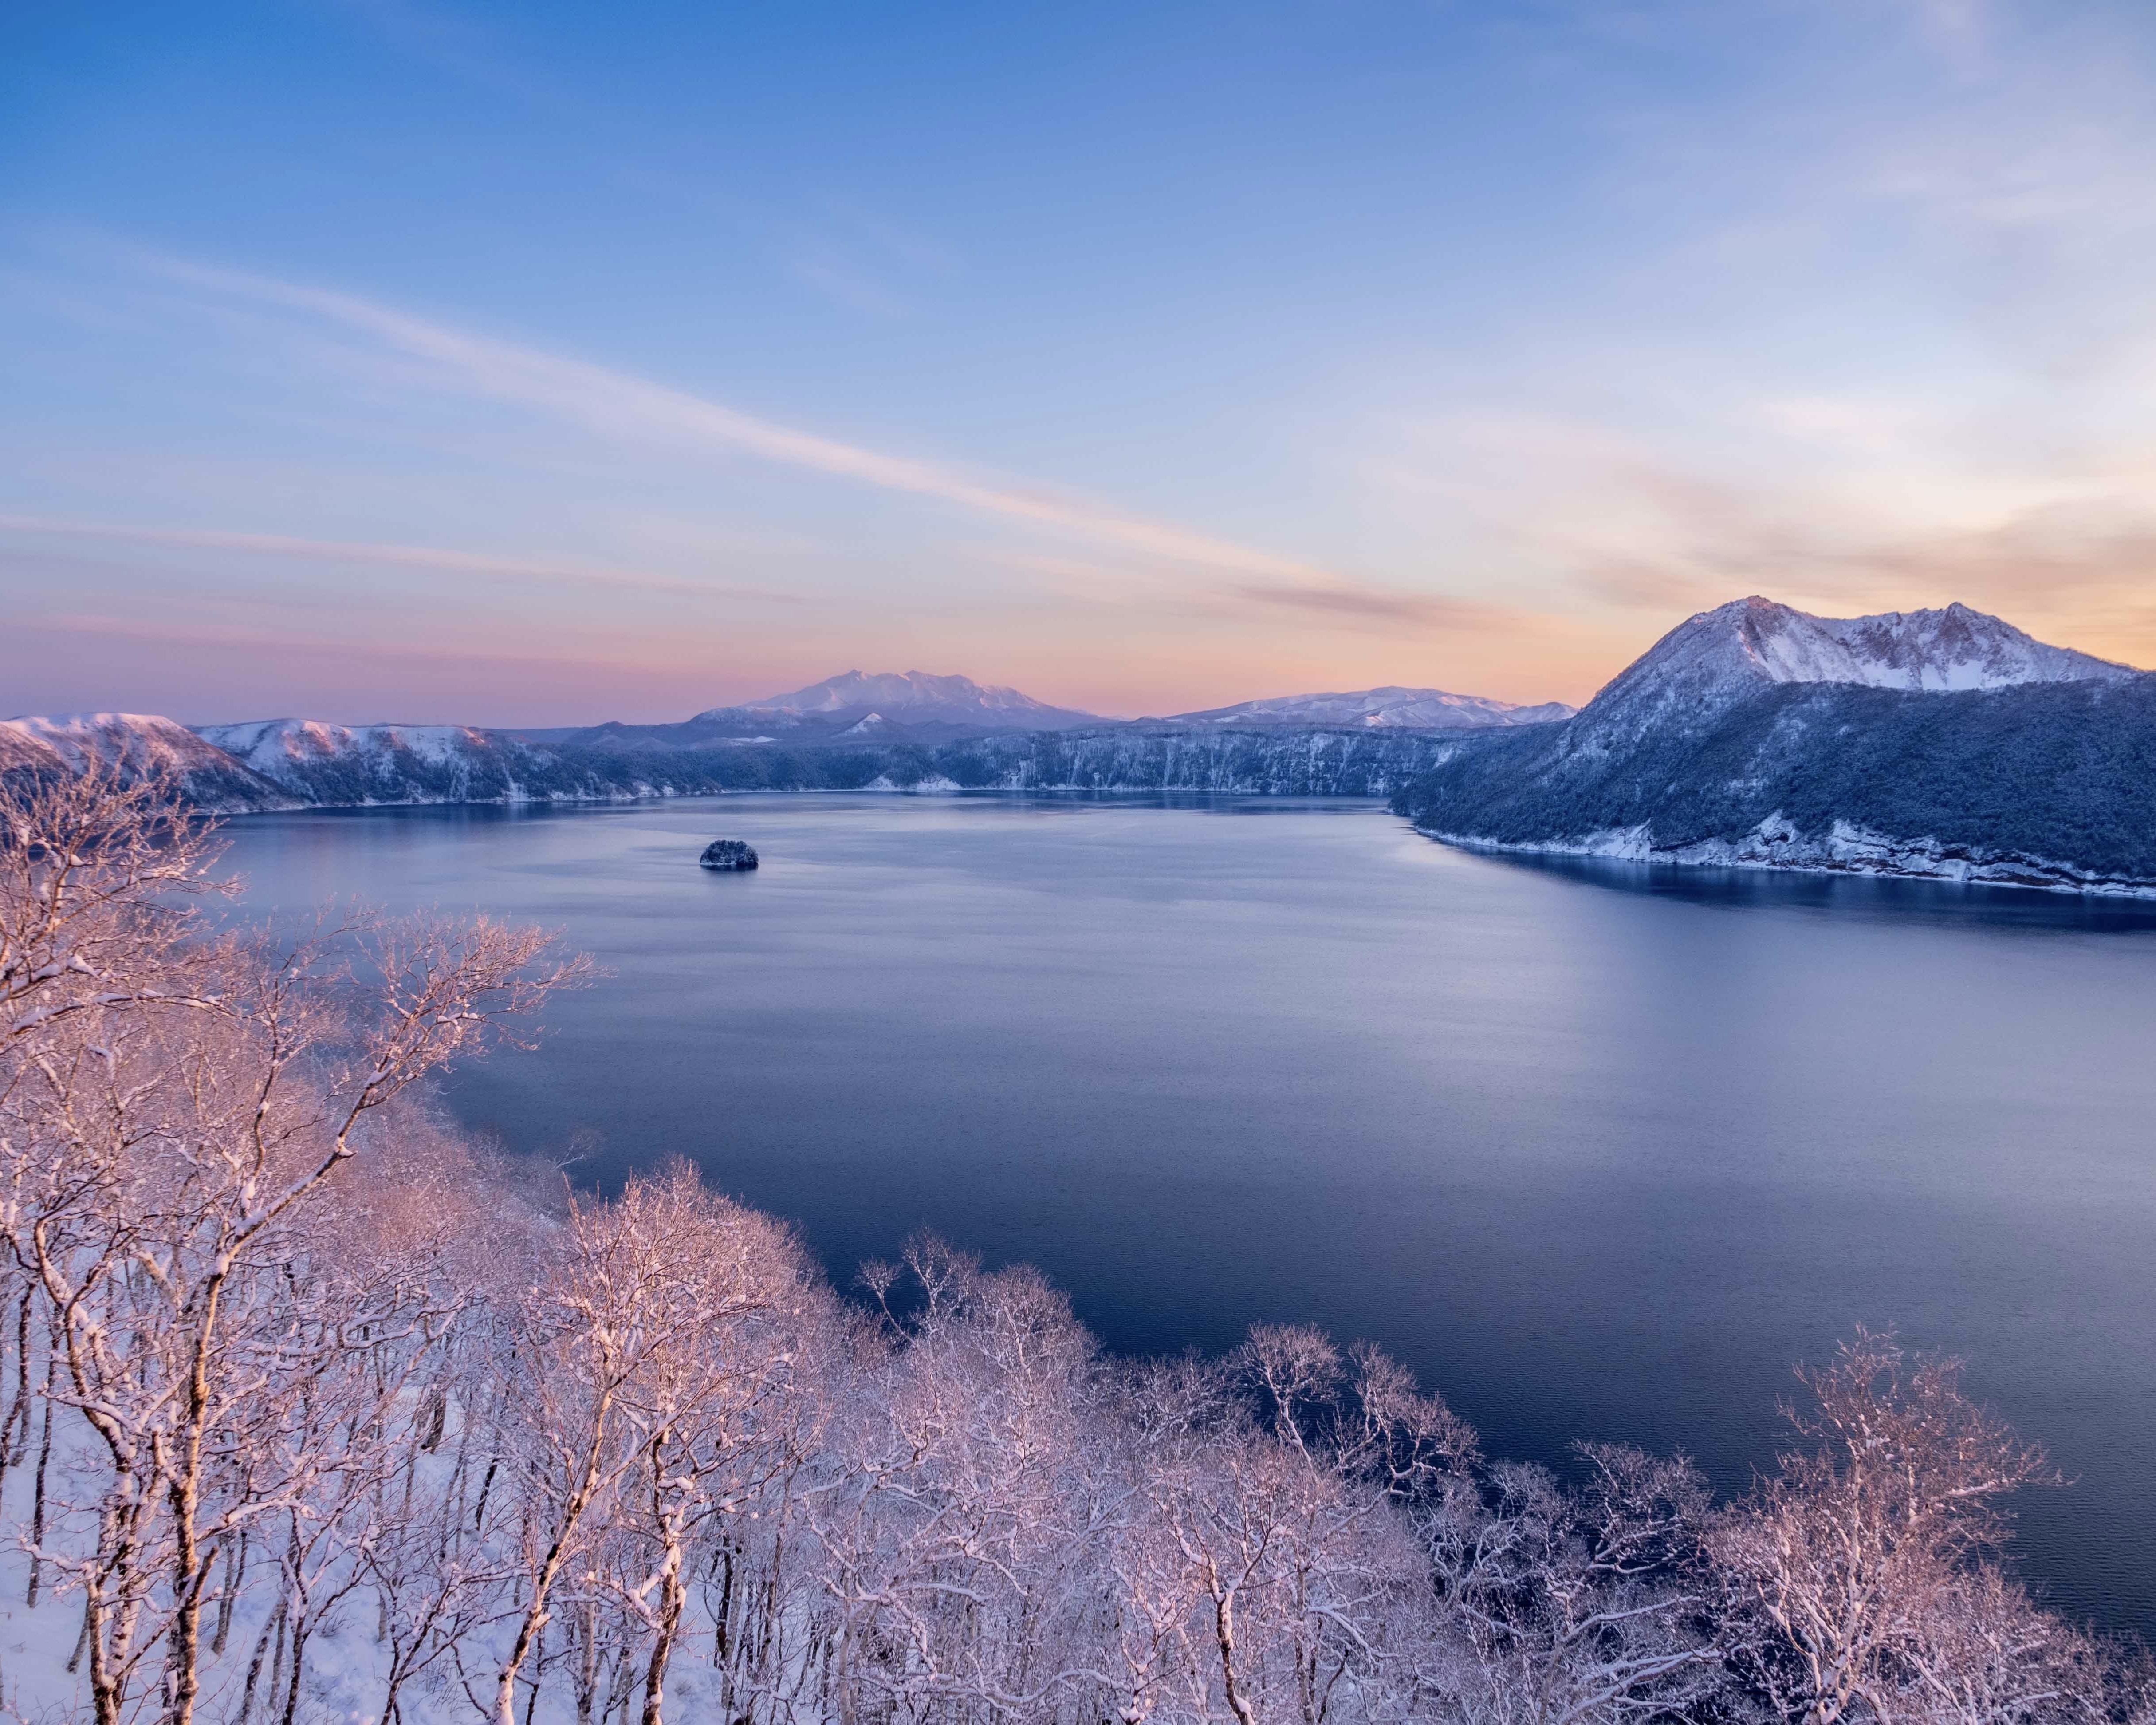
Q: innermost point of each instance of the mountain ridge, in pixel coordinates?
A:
(1736, 649)
(1392, 706)
(136, 744)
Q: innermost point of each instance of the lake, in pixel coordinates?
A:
(1598, 1150)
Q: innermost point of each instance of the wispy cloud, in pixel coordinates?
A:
(410, 557)
(618, 404)
(1848, 504)
(1368, 604)
(2083, 565)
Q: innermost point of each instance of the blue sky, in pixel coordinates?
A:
(397, 359)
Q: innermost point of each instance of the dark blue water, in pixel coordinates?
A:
(1600, 1151)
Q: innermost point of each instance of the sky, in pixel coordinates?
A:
(429, 359)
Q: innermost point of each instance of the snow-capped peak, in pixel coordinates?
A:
(1956, 648)
(899, 692)
(909, 698)
(1722, 654)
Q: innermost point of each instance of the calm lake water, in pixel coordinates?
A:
(1599, 1151)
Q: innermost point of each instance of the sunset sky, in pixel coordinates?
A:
(544, 363)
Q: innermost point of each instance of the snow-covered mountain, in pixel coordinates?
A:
(137, 744)
(912, 698)
(1389, 708)
(1736, 650)
(1945, 743)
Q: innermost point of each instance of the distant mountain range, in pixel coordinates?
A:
(1946, 744)
(896, 729)
(913, 707)
(878, 707)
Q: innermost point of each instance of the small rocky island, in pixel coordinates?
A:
(730, 855)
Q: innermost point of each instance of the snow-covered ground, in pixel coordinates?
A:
(1845, 850)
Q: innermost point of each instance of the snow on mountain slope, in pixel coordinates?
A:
(914, 697)
(1936, 651)
(142, 741)
(137, 743)
(1392, 707)
(1735, 649)
(277, 748)
(368, 763)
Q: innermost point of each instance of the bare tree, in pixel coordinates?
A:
(705, 1415)
(1594, 1603)
(960, 1536)
(162, 1174)
(662, 1328)
(97, 874)
(1983, 1653)
(1865, 1557)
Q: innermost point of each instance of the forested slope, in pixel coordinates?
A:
(296, 761)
